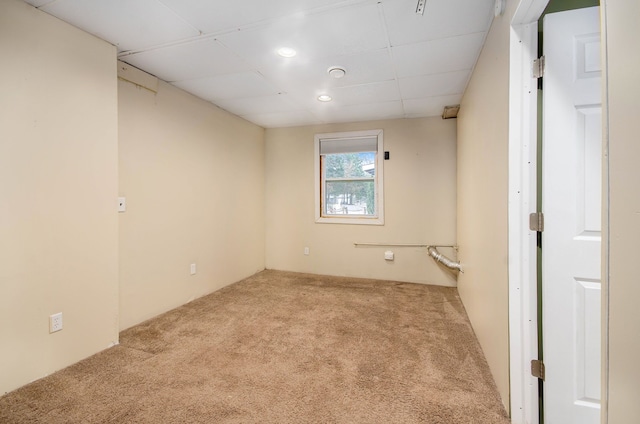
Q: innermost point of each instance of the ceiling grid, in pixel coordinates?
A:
(398, 63)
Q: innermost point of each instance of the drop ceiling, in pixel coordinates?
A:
(398, 63)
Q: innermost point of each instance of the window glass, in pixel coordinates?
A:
(349, 183)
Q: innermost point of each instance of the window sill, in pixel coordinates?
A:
(352, 221)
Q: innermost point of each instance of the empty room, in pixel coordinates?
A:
(319, 211)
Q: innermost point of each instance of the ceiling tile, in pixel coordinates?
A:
(191, 60)
(215, 16)
(366, 93)
(437, 56)
(259, 105)
(283, 119)
(38, 3)
(434, 85)
(367, 112)
(222, 87)
(442, 18)
(308, 77)
(128, 24)
(377, 92)
(339, 32)
(430, 106)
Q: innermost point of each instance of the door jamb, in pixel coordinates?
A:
(523, 322)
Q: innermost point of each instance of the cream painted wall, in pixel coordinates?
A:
(58, 185)
(482, 214)
(420, 199)
(623, 33)
(193, 178)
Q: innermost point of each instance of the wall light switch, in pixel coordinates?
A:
(122, 204)
(388, 255)
(306, 251)
(193, 269)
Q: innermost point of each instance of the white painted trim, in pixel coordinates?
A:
(528, 11)
(379, 179)
(606, 240)
(523, 325)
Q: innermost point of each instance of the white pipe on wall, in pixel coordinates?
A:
(439, 257)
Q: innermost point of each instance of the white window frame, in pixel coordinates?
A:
(378, 218)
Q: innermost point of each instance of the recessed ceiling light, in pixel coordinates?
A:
(336, 72)
(286, 52)
(324, 98)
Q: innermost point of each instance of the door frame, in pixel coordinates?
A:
(523, 310)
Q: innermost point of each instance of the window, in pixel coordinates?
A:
(348, 169)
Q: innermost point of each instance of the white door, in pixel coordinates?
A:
(571, 202)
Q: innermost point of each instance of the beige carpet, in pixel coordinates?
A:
(282, 348)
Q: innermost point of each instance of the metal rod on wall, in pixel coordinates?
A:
(406, 245)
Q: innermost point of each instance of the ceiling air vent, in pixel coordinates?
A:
(450, 112)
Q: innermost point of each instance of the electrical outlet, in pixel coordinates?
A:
(193, 269)
(55, 322)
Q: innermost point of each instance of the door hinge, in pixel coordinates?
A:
(537, 369)
(538, 67)
(536, 221)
